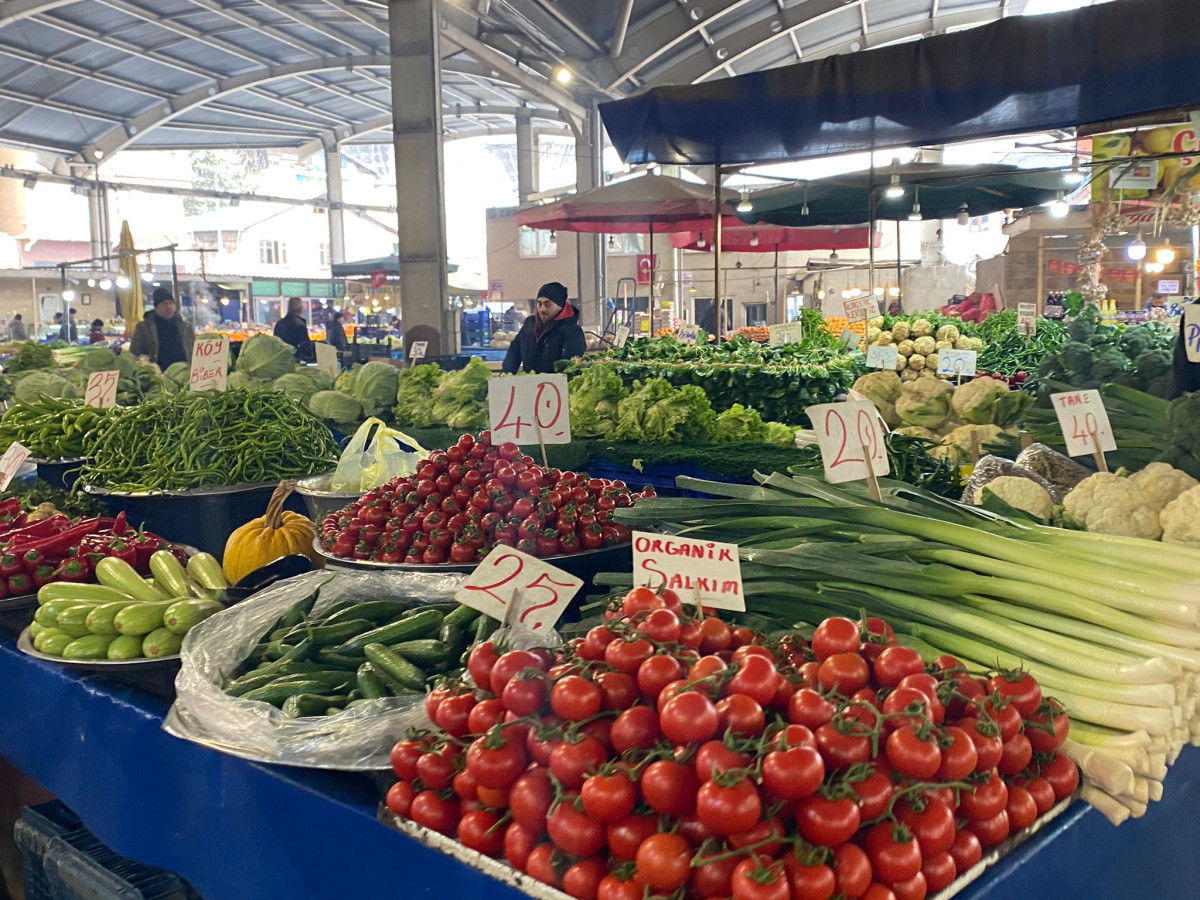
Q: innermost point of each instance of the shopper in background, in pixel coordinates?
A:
(162, 336)
(96, 335)
(16, 329)
(68, 331)
(292, 329)
(335, 334)
(553, 333)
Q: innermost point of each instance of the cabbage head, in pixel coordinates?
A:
(335, 407)
(321, 381)
(98, 359)
(266, 357)
(374, 385)
(39, 382)
(242, 381)
(179, 375)
(295, 386)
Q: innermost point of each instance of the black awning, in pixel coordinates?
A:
(1018, 75)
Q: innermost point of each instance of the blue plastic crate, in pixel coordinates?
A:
(661, 478)
(65, 861)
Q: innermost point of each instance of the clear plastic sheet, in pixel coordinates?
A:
(1062, 472)
(357, 739)
(989, 468)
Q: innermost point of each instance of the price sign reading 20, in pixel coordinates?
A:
(847, 433)
(507, 578)
(529, 409)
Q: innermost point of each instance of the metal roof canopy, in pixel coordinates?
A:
(84, 79)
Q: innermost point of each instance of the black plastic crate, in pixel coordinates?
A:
(65, 861)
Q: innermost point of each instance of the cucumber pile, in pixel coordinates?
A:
(319, 665)
(125, 616)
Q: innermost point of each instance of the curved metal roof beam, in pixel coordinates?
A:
(16, 10)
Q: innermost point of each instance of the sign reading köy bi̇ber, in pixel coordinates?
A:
(688, 566)
(210, 355)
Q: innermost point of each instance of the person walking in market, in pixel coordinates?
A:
(16, 329)
(162, 336)
(551, 334)
(292, 329)
(335, 333)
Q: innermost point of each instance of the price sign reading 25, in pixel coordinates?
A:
(529, 409)
(507, 577)
(847, 433)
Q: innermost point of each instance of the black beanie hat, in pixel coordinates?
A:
(554, 292)
(162, 295)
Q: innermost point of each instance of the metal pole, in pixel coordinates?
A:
(899, 269)
(871, 242)
(718, 298)
(175, 289)
(650, 295)
(775, 285)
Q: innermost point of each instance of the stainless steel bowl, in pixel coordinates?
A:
(319, 499)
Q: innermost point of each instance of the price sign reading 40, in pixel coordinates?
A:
(1084, 422)
(529, 409)
(101, 391)
(847, 433)
(507, 577)
(1191, 331)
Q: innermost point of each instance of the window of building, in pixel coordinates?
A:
(628, 244)
(756, 313)
(323, 253)
(205, 240)
(272, 253)
(229, 241)
(536, 243)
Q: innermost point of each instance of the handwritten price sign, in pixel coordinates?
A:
(957, 363)
(507, 576)
(416, 350)
(689, 333)
(10, 462)
(847, 433)
(528, 409)
(688, 566)
(1084, 422)
(861, 308)
(882, 357)
(327, 358)
(1027, 319)
(622, 336)
(101, 390)
(210, 359)
(787, 333)
(1191, 331)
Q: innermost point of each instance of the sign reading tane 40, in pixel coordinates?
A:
(707, 570)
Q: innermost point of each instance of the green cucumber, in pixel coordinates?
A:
(140, 618)
(369, 683)
(161, 642)
(204, 569)
(383, 659)
(330, 679)
(169, 575)
(377, 611)
(75, 592)
(93, 646)
(275, 694)
(100, 619)
(462, 617)
(425, 652)
(73, 619)
(418, 625)
(329, 634)
(330, 657)
(184, 615)
(54, 644)
(256, 679)
(127, 646)
(299, 706)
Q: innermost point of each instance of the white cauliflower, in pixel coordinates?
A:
(875, 322)
(916, 431)
(976, 344)
(966, 442)
(900, 331)
(904, 347)
(948, 333)
(924, 345)
(901, 362)
(1180, 519)
(1020, 493)
(1161, 483)
(1107, 503)
(922, 328)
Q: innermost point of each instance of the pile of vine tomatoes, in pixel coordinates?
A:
(465, 500)
(663, 755)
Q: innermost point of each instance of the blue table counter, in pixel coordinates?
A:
(237, 829)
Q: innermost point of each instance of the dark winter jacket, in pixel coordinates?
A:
(294, 330)
(145, 337)
(538, 347)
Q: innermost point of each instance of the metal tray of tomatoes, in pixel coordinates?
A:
(583, 564)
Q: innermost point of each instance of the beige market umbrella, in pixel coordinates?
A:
(129, 298)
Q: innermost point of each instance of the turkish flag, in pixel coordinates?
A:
(646, 264)
(378, 278)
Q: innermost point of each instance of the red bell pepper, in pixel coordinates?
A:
(10, 507)
(987, 301)
(19, 584)
(10, 564)
(12, 521)
(121, 549)
(43, 574)
(146, 544)
(31, 559)
(73, 570)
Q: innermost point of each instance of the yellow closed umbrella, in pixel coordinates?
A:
(130, 298)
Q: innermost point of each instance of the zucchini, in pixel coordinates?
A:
(425, 652)
(369, 683)
(75, 592)
(206, 572)
(73, 620)
(161, 642)
(54, 642)
(93, 646)
(300, 705)
(100, 619)
(169, 575)
(116, 573)
(127, 646)
(384, 660)
(140, 618)
(376, 611)
(184, 615)
(418, 625)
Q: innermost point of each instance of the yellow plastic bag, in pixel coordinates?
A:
(374, 456)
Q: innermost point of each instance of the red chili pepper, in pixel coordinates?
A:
(59, 544)
(73, 570)
(12, 521)
(10, 507)
(19, 584)
(43, 575)
(27, 534)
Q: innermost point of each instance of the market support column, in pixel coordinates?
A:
(527, 157)
(589, 144)
(420, 175)
(333, 194)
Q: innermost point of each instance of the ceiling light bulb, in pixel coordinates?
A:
(821, 294)
(833, 257)
(847, 294)
(106, 284)
(701, 242)
(895, 190)
(123, 282)
(1136, 250)
(754, 239)
(745, 206)
(893, 291)
(68, 295)
(804, 209)
(146, 276)
(915, 215)
(553, 237)
(964, 214)
(612, 242)
(91, 282)
(563, 75)
(1154, 267)
(1165, 254)
(879, 292)
(1073, 175)
(1058, 207)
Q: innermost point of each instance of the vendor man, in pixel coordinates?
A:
(550, 335)
(162, 336)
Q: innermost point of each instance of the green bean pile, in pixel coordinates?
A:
(209, 439)
(51, 428)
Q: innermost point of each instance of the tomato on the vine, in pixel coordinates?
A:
(728, 805)
(664, 862)
(828, 822)
(760, 878)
